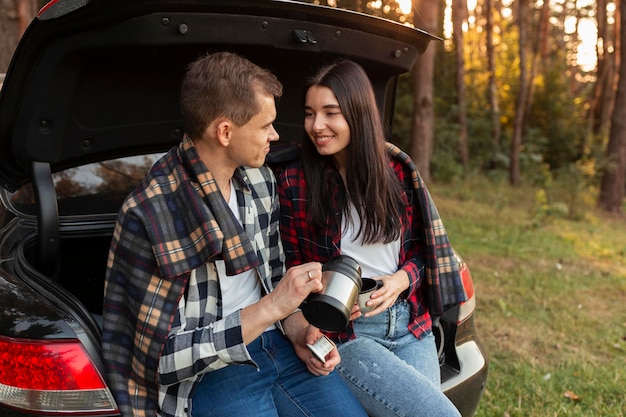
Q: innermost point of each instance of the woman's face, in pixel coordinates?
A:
(325, 124)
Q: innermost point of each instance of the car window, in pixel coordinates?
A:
(90, 189)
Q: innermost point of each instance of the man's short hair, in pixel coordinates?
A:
(223, 84)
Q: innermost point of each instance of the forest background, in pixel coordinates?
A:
(516, 121)
(518, 90)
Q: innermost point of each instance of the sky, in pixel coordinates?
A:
(586, 55)
(588, 33)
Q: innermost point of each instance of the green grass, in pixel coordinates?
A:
(551, 298)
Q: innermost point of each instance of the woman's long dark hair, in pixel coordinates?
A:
(372, 186)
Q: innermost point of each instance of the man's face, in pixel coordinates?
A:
(250, 143)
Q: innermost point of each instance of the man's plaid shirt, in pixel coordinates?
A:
(423, 238)
(176, 222)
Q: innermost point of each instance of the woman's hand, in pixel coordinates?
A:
(387, 294)
(356, 312)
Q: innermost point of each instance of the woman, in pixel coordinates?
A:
(354, 194)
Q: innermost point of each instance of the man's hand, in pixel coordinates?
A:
(300, 332)
(295, 286)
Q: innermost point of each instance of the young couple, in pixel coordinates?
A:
(201, 303)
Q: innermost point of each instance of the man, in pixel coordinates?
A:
(192, 286)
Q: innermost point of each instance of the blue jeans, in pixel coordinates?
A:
(390, 371)
(282, 386)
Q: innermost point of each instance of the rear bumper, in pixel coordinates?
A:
(466, 388)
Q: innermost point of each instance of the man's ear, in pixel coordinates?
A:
(224, 131)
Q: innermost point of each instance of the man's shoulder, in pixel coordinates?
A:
(160, 185)
(263, 171)
(262, 177)
(262, 186)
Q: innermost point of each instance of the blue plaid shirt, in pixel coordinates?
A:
(162, 300)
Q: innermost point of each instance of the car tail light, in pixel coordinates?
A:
(52, 377)
(467, 308)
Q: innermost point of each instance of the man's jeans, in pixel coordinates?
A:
(391, 372)
(282, 386)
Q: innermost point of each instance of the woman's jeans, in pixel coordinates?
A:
(390, 371)
(282, 386)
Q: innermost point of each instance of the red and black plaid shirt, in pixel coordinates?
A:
(303, 242)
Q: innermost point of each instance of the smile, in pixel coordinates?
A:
(323, 139)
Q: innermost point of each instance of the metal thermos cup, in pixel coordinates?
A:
(330, 309)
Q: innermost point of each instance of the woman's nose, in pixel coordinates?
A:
(319, 124)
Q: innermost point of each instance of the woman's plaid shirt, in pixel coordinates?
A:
(424, 241)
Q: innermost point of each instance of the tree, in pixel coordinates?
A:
(15, 15)
(521, 104)
(494, 107)
(422, 131)
(459, 18)
(540, 54)
(614, 176)
(601, 103)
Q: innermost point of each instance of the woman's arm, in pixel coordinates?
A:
(291, 215)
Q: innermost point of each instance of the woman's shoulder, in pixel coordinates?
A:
(399, 167)
(293, 169)
(400, 161)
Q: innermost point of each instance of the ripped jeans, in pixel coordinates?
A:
(390, 371)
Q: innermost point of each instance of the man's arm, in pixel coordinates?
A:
(300, 333)
(222, 342)
(190, 352)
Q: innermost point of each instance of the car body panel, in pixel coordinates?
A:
(465, 389)
(27, 314)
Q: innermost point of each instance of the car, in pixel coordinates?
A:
(89, 102)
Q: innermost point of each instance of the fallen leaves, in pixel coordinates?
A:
(571, 395)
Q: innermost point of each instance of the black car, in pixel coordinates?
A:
(89, 101)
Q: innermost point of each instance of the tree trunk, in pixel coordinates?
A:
(518, 124)
(538, 58)
(459, 15)
(15, 15)
(423, 126)
(614, 176)
(602, 100)
(494, 107)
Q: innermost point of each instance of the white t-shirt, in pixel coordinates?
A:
(239, 290)
(375, 259)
